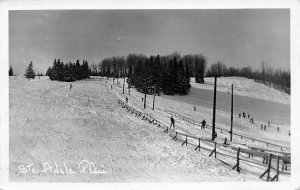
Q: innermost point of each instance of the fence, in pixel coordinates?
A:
(188, 139)
(236, 134)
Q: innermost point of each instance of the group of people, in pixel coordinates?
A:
(245, 116)
(263, 127)
(203, 123)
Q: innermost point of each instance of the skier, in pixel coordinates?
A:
(269, 124)
(248, 116)
(244, 115)
(265, 127)
(261, 126)
(289, 133)
(239, 115)
(225, 141)
(142, 99)
(70, 86)
(278, 129)
(203, 124)
(194, 108)
(172, 122)
(126, 100)
(111, 87)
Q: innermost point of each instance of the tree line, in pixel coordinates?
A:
(68, 72)
(29, 72)
(267, 75)
(169, 74)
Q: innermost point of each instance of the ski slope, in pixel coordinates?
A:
(51, 123)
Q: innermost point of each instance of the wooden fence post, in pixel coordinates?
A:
(277, 170)
(175, 137)
(268, 170)
(214, 151)
(237, 165)
(185, 142)
(198, 145)
(270, 161)
(167, 130)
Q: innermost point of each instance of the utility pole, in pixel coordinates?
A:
(153, 97)
(214, 111)
(231, 112)
(123, 85)
(145, 101)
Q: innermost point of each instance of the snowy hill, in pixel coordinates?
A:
(51, 125)
(244, 87)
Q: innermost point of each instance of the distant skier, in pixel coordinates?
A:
(244, 115)
(172, 123)
(203, 123)
(239, 115)
(225, 141)
(194, 108)
(278, 129)
(261, 126)
(289, 133)
(269, 124)
(248, 116)
(126, 100)
(142, 99)
(70, 86)
(111, 87)
(265, 127)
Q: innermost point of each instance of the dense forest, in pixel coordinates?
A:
(68, 72)
(168, 74)
(193, 66)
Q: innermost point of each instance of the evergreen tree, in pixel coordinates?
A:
(77, 70)
(11, 71)
(167, 82)
(200, 66)
(29, 73)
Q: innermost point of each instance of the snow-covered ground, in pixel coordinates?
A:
(244, 87)
(261, 110)
(51, 124)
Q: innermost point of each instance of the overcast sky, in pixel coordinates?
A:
(235, 37)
